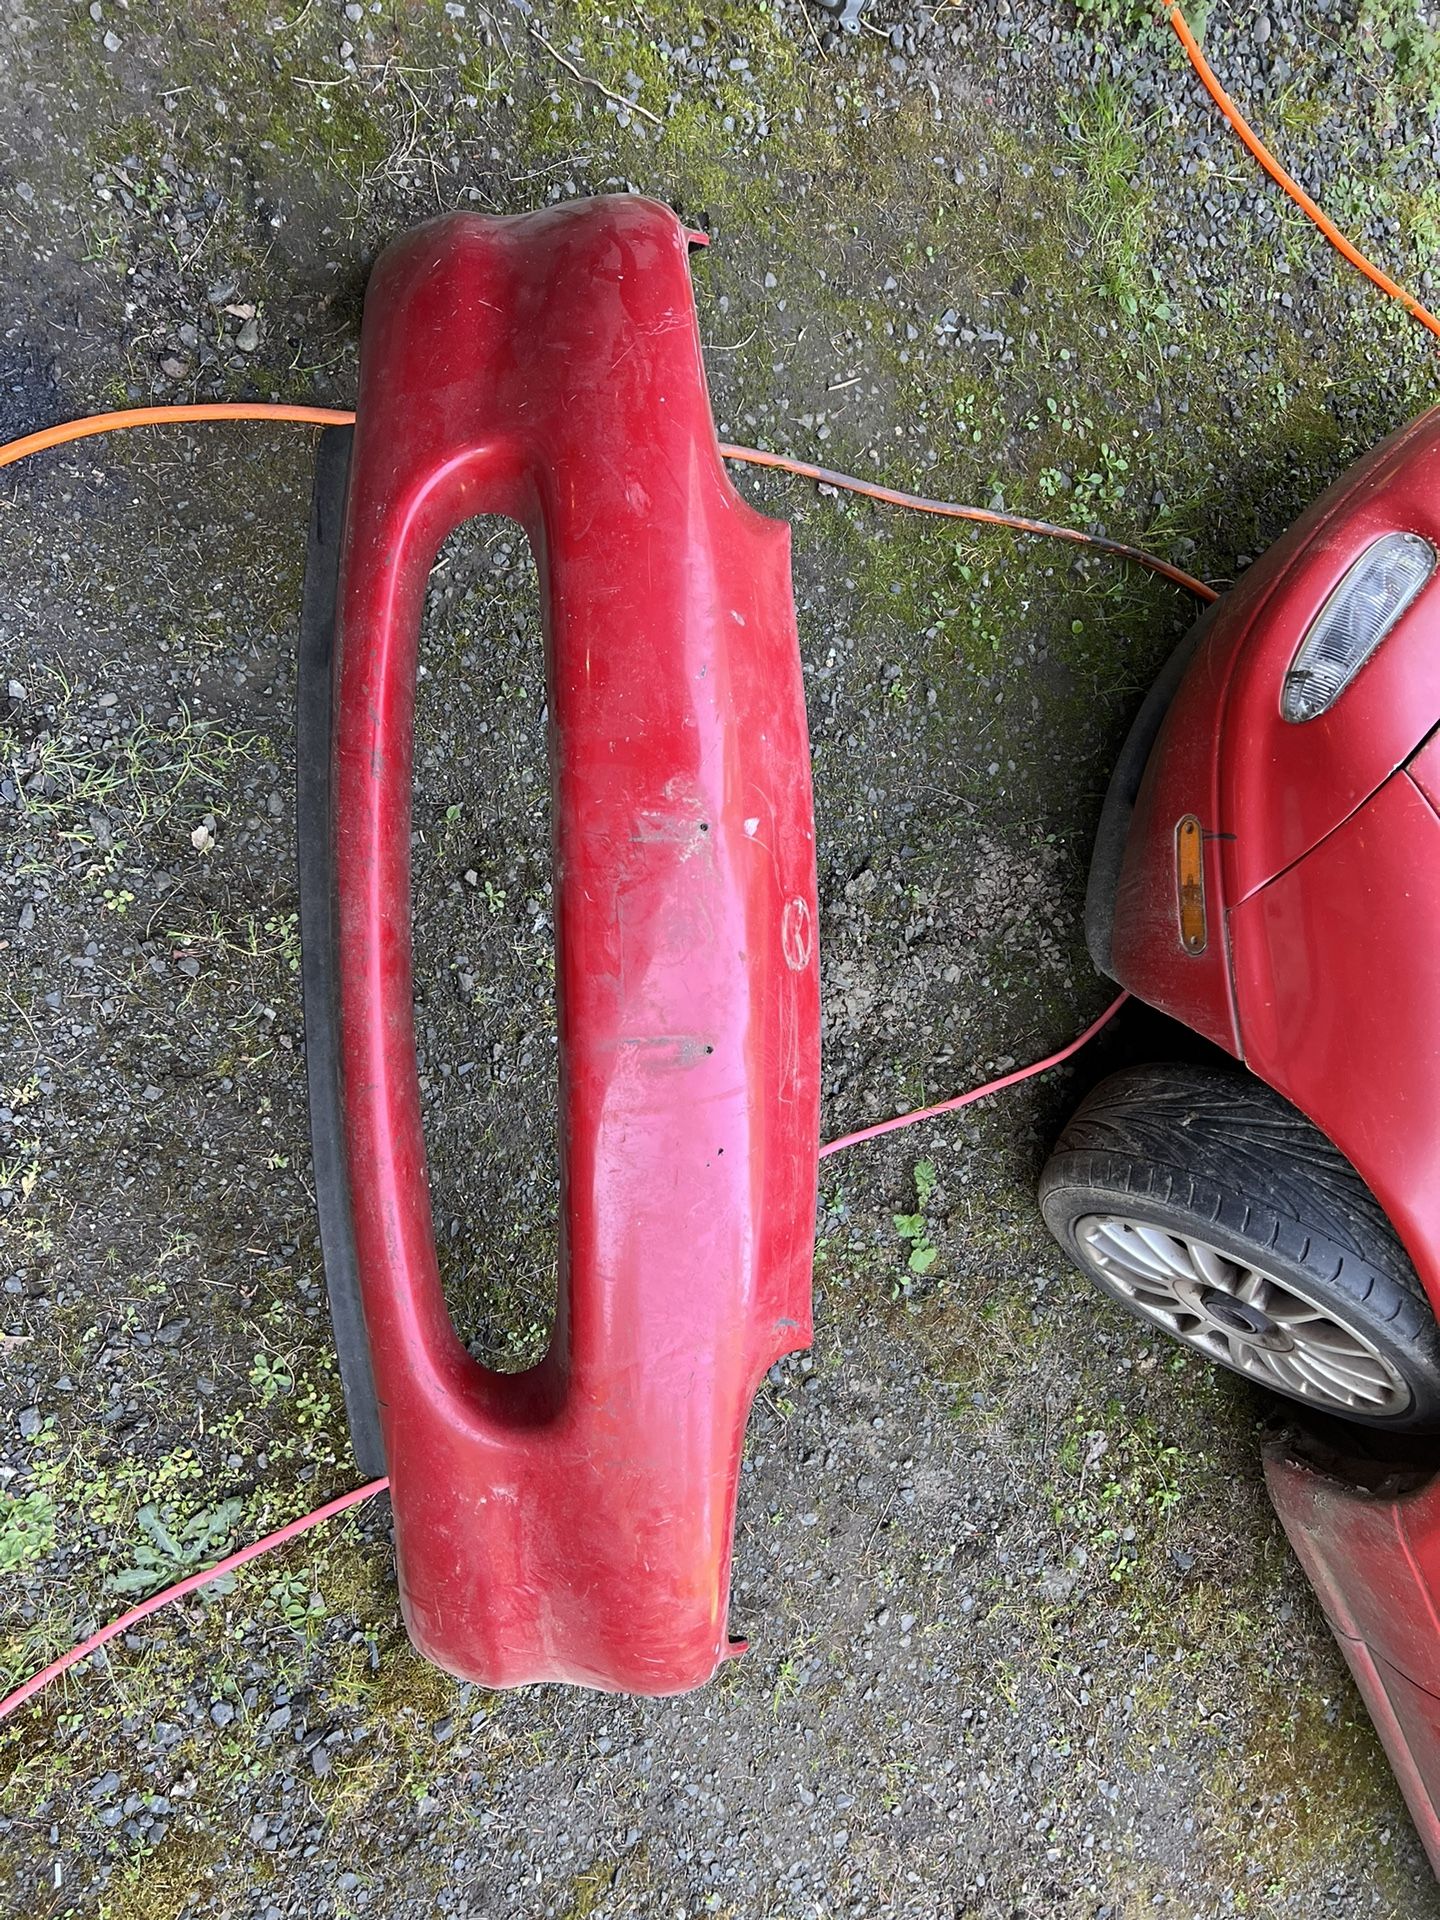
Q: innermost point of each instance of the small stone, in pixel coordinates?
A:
(112, 43)
(16, 692)
(29, 1421)
(248, 338)
(222, 1713)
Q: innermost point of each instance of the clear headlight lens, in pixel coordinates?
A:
(1376, 590)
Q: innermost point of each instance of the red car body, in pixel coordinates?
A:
(1320, 970)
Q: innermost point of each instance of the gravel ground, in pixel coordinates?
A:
(1025, 1640)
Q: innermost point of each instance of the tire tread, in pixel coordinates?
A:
(1225, 1152)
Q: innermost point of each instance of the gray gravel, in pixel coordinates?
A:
(1025, 1639)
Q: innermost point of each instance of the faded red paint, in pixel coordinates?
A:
(574, 1522)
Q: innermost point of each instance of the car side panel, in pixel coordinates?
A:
(1407, 1718)
(1266, 792)
(1274, 790)
(1373, 1558)
(1374, 1561)
(1337, 973)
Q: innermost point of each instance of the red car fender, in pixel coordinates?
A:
(1264, 791)
(1322, 854)
(1338, 986)
(574, 1522)
(1180, 781)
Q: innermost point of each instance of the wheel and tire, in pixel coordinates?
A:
(1210, 1208)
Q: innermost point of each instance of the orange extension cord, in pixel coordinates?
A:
(335, 417)
(98, 423)
(1259, 152)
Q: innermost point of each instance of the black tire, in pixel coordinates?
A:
(1222, 1161)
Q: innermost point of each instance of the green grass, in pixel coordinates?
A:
(1404, 48)
(144, 773)
(915, 1228)
(1110, 143)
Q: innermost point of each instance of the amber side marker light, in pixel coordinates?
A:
(1190, 883)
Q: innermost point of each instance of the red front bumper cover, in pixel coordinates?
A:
(573, 1522)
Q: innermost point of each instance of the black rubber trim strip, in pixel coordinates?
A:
(319, 976)
(1119, 809)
